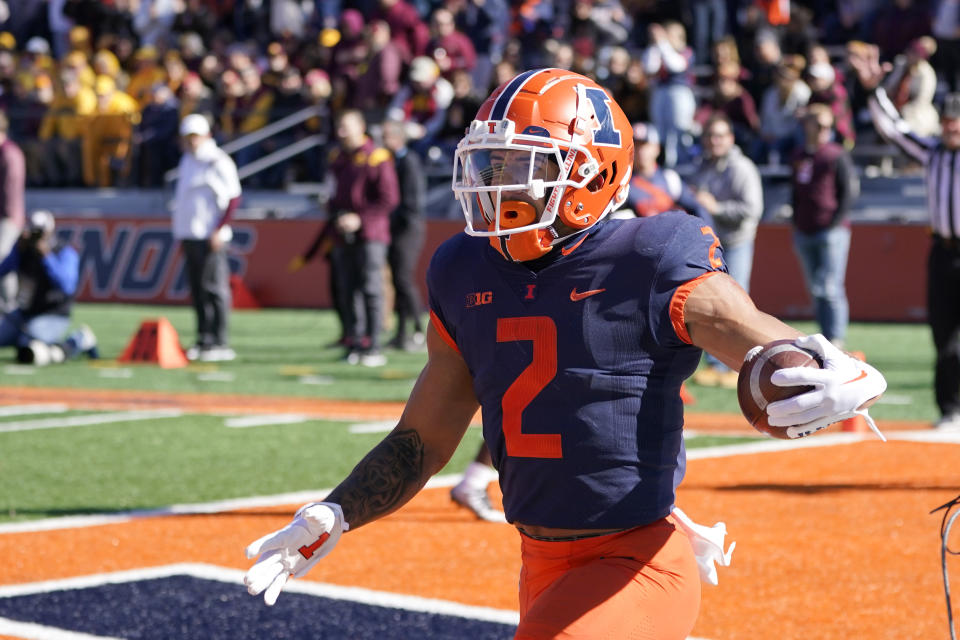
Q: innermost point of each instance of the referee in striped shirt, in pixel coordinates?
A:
(940, 158)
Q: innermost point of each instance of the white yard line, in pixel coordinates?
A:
(87, 420)
(32, 631)
(243, 422)
(381, 426)
(218, 506)
(7, 411)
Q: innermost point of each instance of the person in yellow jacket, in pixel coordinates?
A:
(106, 141)
(61, 131)
(148, 72)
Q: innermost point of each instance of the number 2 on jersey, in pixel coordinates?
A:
(542, 331)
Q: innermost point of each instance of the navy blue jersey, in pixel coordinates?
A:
(578, 365)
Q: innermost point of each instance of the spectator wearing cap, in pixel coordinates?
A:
(61, 131)
(825, 90)
(912, 85)
(422, 104)
(47, 271)
(779, 108)
(31, 97)
(108, 136)
(655, 189)
(348, 58)
(451, 49)
(207, 194)
(12, 197)
(667, 60)
(940, 158)
(824, 185)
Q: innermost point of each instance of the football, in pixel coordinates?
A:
(755, 390)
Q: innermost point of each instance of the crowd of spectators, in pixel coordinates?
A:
(94, 90)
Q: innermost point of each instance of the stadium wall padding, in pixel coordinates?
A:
(136, 260)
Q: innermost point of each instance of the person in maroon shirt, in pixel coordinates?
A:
(824, 185)
(407, 29)
(12, 186)
(366, 192)
(452, 49)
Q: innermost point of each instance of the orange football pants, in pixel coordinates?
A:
(641, 584)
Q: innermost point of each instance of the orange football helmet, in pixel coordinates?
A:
(549, 154)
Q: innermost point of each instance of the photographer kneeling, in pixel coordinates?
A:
(47, 271)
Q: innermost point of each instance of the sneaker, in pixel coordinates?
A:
(194, 352)
(87, 342)
(352, 356)
(221, 353)
(948, 422)
(373, 358)
(416, 343)
(478, 502)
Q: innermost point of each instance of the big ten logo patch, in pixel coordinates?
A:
(479, 298)
(139, 261)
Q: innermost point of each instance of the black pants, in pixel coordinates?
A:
(943, 314)
(404, 253)
(209, 276)
(360, 273)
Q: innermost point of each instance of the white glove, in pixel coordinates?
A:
(840, 387)
(293, 550)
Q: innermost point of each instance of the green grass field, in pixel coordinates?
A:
(194, 458)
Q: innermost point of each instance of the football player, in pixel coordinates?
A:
(572, 332)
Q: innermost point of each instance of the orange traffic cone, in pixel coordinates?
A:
(242, 297)
(157, 342)
(856, 424)
(685, 396)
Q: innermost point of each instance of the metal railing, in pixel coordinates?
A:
(269, 131)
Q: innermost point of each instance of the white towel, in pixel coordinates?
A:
(707, 545)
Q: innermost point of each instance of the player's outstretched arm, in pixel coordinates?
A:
(434, 420)
(722, 319)
(436, 416)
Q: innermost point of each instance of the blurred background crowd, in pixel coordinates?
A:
(94, 90)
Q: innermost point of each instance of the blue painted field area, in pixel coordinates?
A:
(191, 607)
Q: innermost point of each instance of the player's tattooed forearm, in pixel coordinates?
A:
(385, 479)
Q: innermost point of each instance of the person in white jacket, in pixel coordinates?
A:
(208, 192)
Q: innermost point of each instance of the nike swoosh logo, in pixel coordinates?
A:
(568, 250)
(580, 295)
(863, 374)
